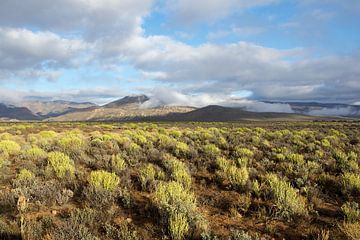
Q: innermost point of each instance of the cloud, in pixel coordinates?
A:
(169, 97)
(92, 19)
(98, 95)
(338, 111)
(28, 54)
(192, 12)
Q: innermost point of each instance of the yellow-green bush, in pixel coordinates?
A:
(104, 180)
(10, 147)
(61, 164)
(25, 174)
(181, 149)
(243, 152)
(147, 175)
(118, 162)
(352, 182)
(172, 196)
(179, 171)
(287, 199)
(35, 153)
(351, 211)
(238, 176)
(71, 143)
(178, 225)
(297, 159)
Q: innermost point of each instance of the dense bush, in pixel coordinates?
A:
(61, 164)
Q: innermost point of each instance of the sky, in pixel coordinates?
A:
(201, 51)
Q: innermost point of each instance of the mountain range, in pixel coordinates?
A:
(132, 108)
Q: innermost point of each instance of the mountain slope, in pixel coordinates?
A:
(215, 113)
(18, 113)
(128, 100)
(45, 109)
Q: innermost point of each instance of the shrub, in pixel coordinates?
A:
(178, 225)
(61, 164)
(297, 159)
(71, 144)
(147, 175)
(351, 211)
(10, 147)
(25, 174)
(351, 182)
(211, 150)
(238, 176)
(118, 162)
(243, 152)
(287, 200)
(178, 172)
(351, 230)
(170, 197)
(181, 149)
(35, 154)
(103, 179)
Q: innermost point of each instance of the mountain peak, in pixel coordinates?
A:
(135, 99)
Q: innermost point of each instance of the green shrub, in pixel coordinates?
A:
(178, 172)
(118, 162)
(211, 150)
(25, 174)
(71, 144)
(181, 149)
(244, 152)
(172, 197)
(61, 164)
(35, 154)
(297, 159)
(178, 226)
(352, 182)
(351, 211)
(287, 199)
(10, 147)
(104, 180)
(238, 176)
(147, 174)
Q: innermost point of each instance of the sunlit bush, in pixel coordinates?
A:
(118, 162)
(147, 174)
(178, 172)
(104, 180)
(181, 149)
(352, 182)
(35, 154)
(287, 199)
(10, 147)
(61, 164)
(178, 225)
(351, 211)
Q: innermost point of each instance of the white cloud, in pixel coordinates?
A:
(190, 12)
(169, 97)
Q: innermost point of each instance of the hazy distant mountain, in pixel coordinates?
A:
(128, 100)
(131, 108)
(18, 113)
(215, 113)
(127, 108)
(45, 109)
(323, 109)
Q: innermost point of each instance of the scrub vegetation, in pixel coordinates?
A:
(201, 181)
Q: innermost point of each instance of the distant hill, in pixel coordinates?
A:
(132, 108)
(215, 113)
(316, 108)
(17, 113)
(46, 109)
(128, 100)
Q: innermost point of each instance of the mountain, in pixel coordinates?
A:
(16, 113)
(127, 108)
(216, 113)
(46, 109)
(323, 109)
(127, 101)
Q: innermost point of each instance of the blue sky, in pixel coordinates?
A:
(92, 50)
